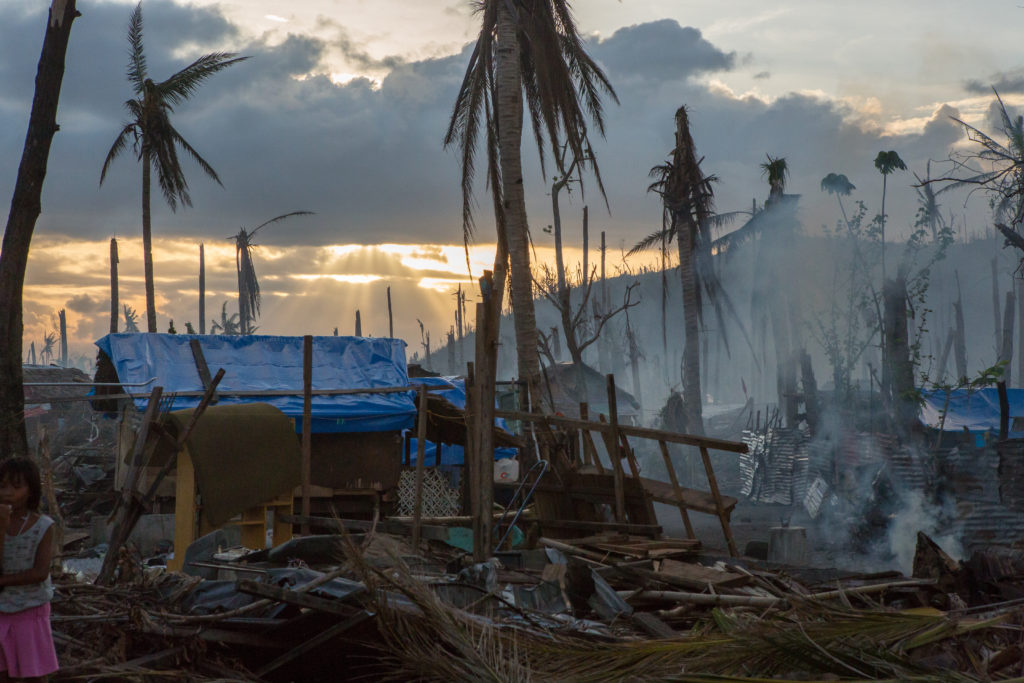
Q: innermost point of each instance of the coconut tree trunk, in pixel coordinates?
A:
(1006, 355)
(202, 289)
(509, 112)
(21, 222)
(691, 324)
(114, 304)
(62, 317)
(147, 245)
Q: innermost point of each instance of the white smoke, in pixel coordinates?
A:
(917, 514)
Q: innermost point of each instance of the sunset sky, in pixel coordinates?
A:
(342, 108)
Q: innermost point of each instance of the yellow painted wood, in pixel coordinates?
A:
(185, 510)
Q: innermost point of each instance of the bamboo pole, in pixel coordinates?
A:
(307, 427)
(613, 451)
(421, 456)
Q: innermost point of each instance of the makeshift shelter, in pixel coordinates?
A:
(567, 394)
(356, 436)
(975, 411)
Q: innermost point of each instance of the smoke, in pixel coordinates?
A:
(918, 514)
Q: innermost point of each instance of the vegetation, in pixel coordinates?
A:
(154, 140)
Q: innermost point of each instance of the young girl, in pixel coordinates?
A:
(26, 642)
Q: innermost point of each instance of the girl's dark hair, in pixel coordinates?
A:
(23, 471)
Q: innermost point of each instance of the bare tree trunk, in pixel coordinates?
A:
(692, 397)
(391, 320)
(114, 303)
(21, 222)
(960, 345)
(1007, 353)
(359, 324)
(509, 112)
(147, 246)
(940, 374)
(998, 338)
(202, 288)
(897, 344)
(62, 317)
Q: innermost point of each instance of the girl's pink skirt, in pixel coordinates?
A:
(26, 643)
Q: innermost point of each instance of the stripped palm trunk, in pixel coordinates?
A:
(202, 289)
(147, 245)
(115, 311)
(509, 112)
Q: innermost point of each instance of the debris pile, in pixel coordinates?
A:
(603, 607)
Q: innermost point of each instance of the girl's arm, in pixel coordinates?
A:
(39, 571)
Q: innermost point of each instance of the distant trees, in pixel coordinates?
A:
(526, 49)
(228, 324)
(155, 141)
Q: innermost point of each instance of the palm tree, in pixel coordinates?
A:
(777, 171)
(886, 163)
(228, 324)
(248, 285)
(49, 344)
(839, 185)
(131, 319)
(531, 49)
(687, 198)
(155, 141)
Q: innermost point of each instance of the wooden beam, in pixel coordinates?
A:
(629, 430)
(421, 456)
(723, 516)
(266, 590)
(201, 367)
(307, 426)
(613, 451)
(670, 467)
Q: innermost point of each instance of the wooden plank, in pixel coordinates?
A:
(486, 366)
(589, 447)
(653, 626)
(723, 514)
(307, 419)
(613, 451)
(629, 430)
(421, 455)
(670, 467)
(691, 575)
(700, 501)
(575, 524)
(201, 367)
(266, 590)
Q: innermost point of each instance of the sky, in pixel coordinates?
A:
(342, 108)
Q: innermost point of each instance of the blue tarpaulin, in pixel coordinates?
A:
(977, 410)
(269, 363)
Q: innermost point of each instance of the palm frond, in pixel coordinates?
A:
(137, 74)
(120, 144)
(183, 84)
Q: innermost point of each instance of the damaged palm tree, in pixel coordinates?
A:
(687, 197)
(527, 50)
(248, 285)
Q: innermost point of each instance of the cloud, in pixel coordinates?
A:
(662, 50)
(1005, 82)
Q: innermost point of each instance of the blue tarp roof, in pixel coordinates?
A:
(269, 363)
(976, 409)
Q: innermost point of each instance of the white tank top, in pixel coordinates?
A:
(19, 556)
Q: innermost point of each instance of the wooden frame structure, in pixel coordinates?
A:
(616, 439)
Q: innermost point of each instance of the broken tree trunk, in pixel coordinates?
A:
(26, 206)
(114, 309)
(1006, 355)
(960, 345)
(897, 352)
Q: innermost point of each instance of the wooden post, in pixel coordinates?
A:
(1007, 352)
(472, 476)
(421, 456)
(391, 320)
(588, 440)
(613, 452)
(713, 483)
(307, 426)
(676, 488)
